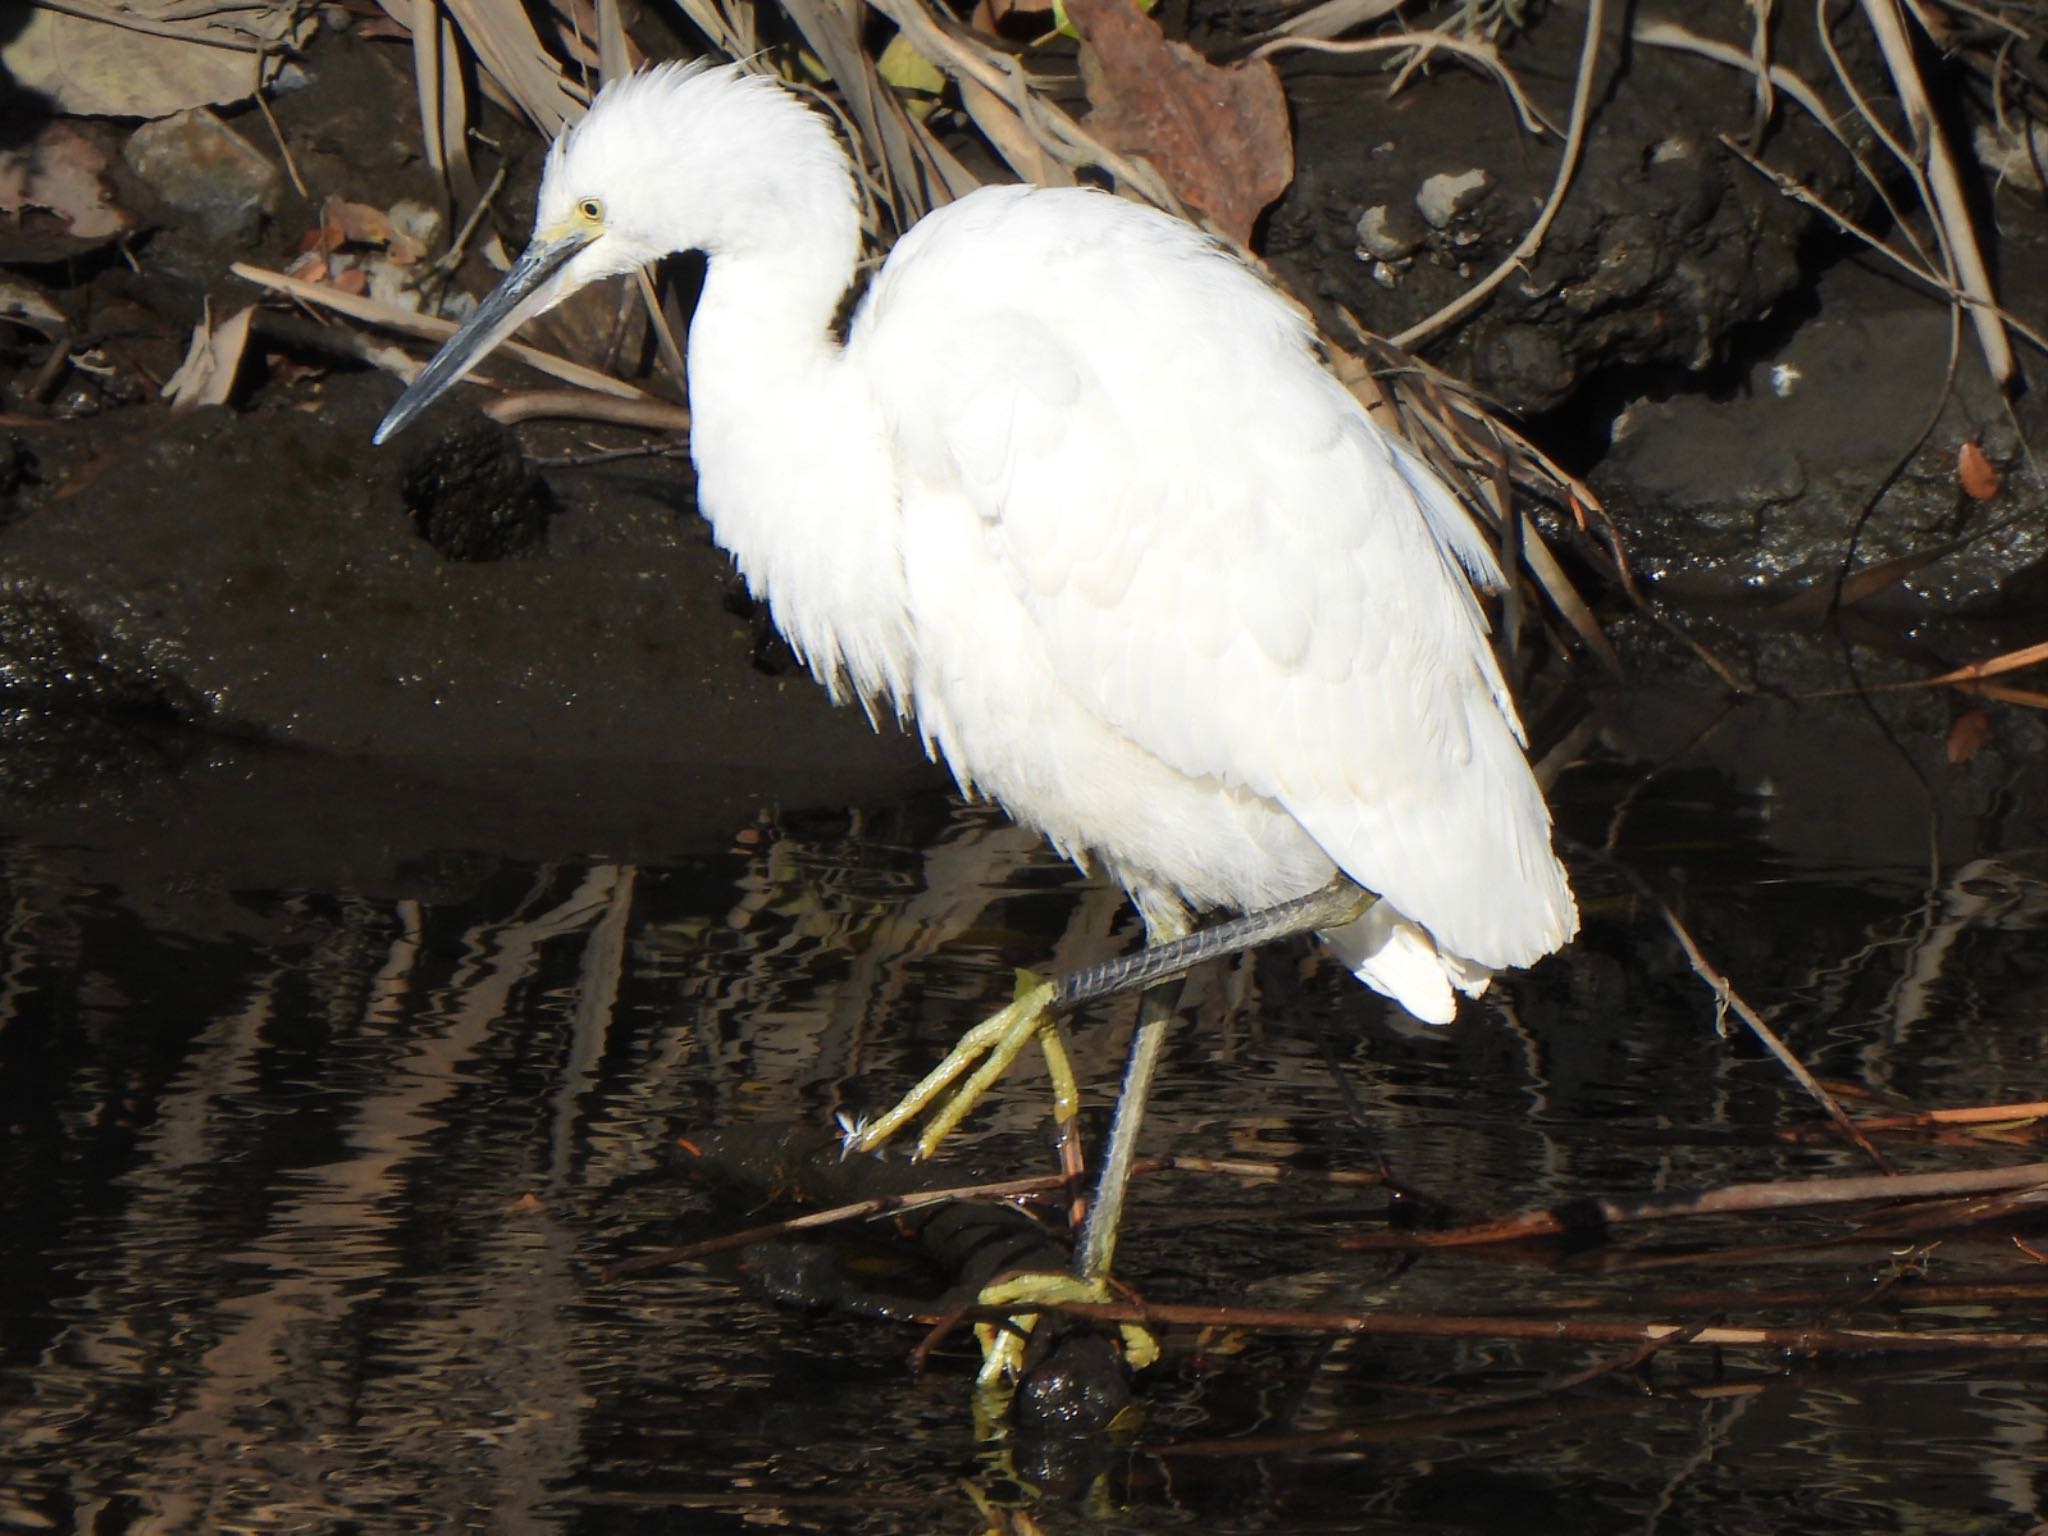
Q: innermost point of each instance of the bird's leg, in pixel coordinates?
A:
(1003, 1344)
(996, 1042)
(1000, 1039)
(1097, 1247)
(1341, 901)
(1002, 1036)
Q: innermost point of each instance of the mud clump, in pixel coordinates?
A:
(473, 496)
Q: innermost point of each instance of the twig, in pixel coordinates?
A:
(583, 405)
(606, 456)
(426, 327)
(1729, 999)
(1948, 203)
(1968, 673)
(291, 166)
(857, 1210)
(664, 337)
(1892, 1298)
(1554, 1330)
(1974, 1114)
(452, 257)
(1644, 1352)
(1002, 1190)
(1485, 55)
(1664, 34)
(1568, 164)
(1730, 1199)
(1848, 226)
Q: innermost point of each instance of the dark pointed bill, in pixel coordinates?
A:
(522, 294)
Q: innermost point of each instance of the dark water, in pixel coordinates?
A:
(309, 1193)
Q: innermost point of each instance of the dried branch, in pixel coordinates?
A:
(1568, 164)
(428, 328)
(1732, 1199)
(1554, 1330)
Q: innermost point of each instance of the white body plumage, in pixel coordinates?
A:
(1076, 495)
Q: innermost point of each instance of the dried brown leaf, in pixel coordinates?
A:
(207, 376)
(344, 222)
(58, 171)
(1975, 473)
(1966, 736)
(146, 58)
(1218, 134)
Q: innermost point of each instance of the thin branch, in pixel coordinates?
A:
(1728, 998)
(1485, 55)
(1554, 1330)
(584, 405)
(1568, 164)
(1731, 1199)
(427, 328)
(1947, 202)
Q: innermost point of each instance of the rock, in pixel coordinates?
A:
(1758, 490)
(1442, 197)
(199, 165)
(1384, 234)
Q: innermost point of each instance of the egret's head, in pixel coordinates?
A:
(675, 158)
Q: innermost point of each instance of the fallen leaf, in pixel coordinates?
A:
(342, 221)
(1967, 735)
(1979, 479)
(147, 58)
(1218, 134)
(345, 223)
(207, 376)
(58, 173)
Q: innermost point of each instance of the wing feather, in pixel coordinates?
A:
(1225, 560)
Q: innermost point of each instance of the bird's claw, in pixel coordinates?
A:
(988, 1049)
(1004, 1341)
(853, 1130)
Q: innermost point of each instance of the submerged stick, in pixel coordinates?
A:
(1732, 1199)
(1561, 1330)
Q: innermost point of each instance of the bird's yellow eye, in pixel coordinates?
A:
(593, 210)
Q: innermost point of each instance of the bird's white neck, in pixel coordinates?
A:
(793, 467)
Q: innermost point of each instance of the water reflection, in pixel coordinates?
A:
(309, 1193)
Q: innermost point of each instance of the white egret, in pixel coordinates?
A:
(1075, 494)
